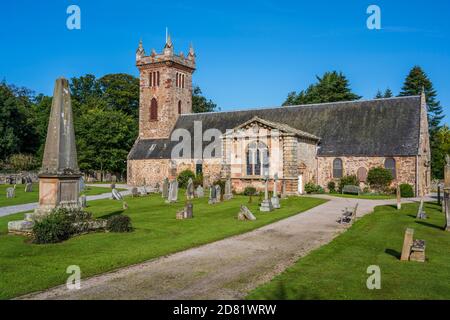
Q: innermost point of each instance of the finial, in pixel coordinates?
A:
(140, 52)
(191, 55)
(168, 42)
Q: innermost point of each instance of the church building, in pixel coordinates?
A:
(315, 143)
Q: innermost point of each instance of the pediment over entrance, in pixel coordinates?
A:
(255, 124)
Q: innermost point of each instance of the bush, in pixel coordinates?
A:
(379, 178)
(183, 178)
(351, 180)
(331, 186)
(23, 162)
(119, 223)
(249, 191)
(313, 188)
(406, 190)
(198, 181)
(53, 228)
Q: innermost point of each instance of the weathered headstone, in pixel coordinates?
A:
(245, 214)
(418, 251)
(421, 213)
(173, 192)
(83, 201)
(266, 205)
(399, 198)
(275, 200)
(29, 187)
(82, 184)
(10, 193)
(283, 190)
(116, 195)
(165, 188)
(134, 192)
(218, 194)
(190, 190)
(407, 244)
(113, 185)
(212, 195)
(187, 212)
(199, 192)
(228, 195)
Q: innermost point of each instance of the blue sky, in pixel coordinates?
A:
(249, 53)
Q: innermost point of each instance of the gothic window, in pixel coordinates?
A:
(362, 174)
(154, 110)
(198, 168)
(150, 79)
(182, 81)
(389, 164)
(179, 107)
(176, 79)
(337, 168)
(153, 79)
(157, 78)
(257, 157)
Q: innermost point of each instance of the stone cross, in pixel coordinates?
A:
(245, 214)
(228, 192)
(420, 213)
(266, 205)
(190, 190)
(165, 188)
(275, 200)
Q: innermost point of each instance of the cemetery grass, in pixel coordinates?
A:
(338, 270)
(26, 267)
(23, 197)
(364, 196)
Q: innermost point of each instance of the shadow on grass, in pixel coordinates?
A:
(427, 224)
(109, 215)
(393, 253)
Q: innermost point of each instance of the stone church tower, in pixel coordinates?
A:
(165, 89)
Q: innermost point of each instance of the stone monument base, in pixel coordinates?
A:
(266, 206)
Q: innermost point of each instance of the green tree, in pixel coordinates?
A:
(415, 82)
(442, 138)
(104, 138)
(388, 93)
(200, 103)
(17, 134)
(331, 87)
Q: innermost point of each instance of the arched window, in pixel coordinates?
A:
(150, 79)
(182, 81)
(362, 174)
(176, 79)
(389, 164)
(257, 159)
(154, 110)
(179, 107)
(157, 78)
(198, 168)
(337, 168)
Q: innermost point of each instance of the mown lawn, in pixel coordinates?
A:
(339, 269)
(27, 267)
(364, 196)
(23, 197)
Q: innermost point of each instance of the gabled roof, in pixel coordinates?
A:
(279, 126)
(381, 127)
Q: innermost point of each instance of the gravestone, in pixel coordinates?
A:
(399, 198)
(266, 205)
(165, 188)
(187, 212)
(218, 193)
(407, 244)
(199, 192)
(418, 251)
(10, 193)
(228, 190)
(245, 214)
(83, 201)
(134, 192)
(173, 192)
(212, 195)
(116, 195)
(275, 200)
(82, 184)
(421, 213)
(113, 185)
(29, 187)
(190, 189)
(283, 190)
(157, 188)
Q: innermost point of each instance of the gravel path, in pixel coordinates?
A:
(5, 211)
(226, 269)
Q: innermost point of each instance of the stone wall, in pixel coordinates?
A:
(406, 168)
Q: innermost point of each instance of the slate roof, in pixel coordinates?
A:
(381, 127)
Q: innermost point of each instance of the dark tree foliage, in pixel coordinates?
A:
(200, 103)
(387, 94)
(331, 87)
(415, 82)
